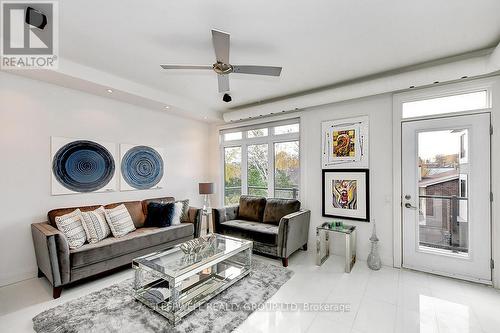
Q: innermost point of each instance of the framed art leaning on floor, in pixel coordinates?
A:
(346, 194)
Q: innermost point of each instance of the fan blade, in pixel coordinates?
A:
(258, 70)
(186, 66)
(223, 83)
(220, 40)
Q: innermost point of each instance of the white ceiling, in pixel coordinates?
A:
(318, 43)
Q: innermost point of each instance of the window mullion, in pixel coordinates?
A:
(270, 161)
(244, 169)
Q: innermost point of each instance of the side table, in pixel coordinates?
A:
(323, 244)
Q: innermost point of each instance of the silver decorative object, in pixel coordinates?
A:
(373, 260)
(198, 245)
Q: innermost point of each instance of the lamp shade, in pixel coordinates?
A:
(207, 188)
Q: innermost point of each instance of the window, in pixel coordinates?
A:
(261, 161)
(448, 104)
(255, 133)
(233, 136)
(286, 169)
(258, 168)
(285, 129)
(232, 175)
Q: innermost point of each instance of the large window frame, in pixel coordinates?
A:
(271, 139)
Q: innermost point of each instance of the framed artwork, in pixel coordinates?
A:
(82, 166)
(346, 194)
(142, 167)
(345, 143)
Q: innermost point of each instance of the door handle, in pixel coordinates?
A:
(409, 206)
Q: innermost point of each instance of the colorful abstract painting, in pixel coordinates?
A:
(344, 143)
(345, 194)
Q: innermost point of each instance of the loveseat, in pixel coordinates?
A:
(277, 227)
(62, 265)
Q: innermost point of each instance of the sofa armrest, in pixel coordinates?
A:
(52, 253)
(220, 215)
(293, 232)
(194, 217)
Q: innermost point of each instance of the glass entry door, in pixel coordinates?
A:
(446, 196)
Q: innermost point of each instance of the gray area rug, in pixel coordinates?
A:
(114, 309)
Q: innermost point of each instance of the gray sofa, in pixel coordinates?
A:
(277, 227)
(62, 265)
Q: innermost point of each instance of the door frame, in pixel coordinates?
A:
(491, 85)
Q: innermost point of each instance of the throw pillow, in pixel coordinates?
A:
(119, 221)
(185, 210)
(95, 225)
(71, 226)
(159, 214)
(177, 216)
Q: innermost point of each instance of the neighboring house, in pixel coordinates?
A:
(438, 213)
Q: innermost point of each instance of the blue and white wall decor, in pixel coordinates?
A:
(82, 166)
(142, 167)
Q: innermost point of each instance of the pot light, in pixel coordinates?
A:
(167, 107)
(109, 91)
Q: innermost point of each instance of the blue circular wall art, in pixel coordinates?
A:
(142, 167)
(83, 166)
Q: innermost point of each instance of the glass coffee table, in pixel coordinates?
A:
(323, 244)
(174, 283)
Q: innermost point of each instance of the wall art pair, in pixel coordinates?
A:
(83, 166)
(345, 161)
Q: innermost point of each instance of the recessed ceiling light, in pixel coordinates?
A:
(167, 107)
(205, 117)
(109, 91)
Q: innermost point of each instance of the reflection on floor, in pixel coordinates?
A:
(389, 300)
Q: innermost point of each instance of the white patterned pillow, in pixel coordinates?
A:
(95, 225)
(178, 210)
(119, 221)
(71, 226)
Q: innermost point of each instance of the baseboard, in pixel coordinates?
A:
(7, 279)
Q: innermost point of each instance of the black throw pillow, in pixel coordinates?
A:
(160, 214)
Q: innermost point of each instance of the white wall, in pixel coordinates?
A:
(31, 112)
(379, 109)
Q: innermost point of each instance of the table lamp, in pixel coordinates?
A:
(206, 189)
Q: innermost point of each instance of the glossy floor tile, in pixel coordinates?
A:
(364, 301)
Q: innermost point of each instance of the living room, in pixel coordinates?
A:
(153, 184)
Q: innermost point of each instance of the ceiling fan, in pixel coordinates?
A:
(222, 67)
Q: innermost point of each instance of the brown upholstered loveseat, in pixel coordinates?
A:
(62, 265)
(277, 227)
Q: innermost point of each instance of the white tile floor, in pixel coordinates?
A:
(389, 300)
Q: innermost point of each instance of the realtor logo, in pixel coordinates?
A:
(29, 34)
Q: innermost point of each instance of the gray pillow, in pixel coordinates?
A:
(251, 208)
(277, 208)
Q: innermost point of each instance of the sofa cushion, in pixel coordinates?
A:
(277, 208)
(71, 226)
(139, 239)
(119, 221)
(251, 208)
(95, 225)
(160, 214)
(160, 200)
(255, 231)
(133, 207)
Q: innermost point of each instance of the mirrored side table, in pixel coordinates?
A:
(323, 244)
